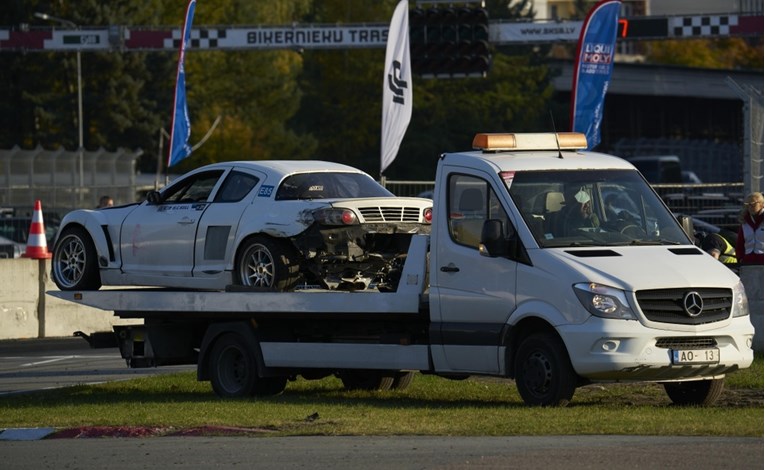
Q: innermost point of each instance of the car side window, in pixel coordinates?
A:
(472, 201)
(195, 188)
(235, 187)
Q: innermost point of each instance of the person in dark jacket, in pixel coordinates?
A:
(717, 246)
(750, 234)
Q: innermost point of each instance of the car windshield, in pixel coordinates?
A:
(328, 185)
(593, 208)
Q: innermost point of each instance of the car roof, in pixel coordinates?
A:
(285, 167)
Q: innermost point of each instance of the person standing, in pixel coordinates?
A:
(749, 244)
(105, 201)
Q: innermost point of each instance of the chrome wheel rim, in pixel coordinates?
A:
(70, 261)
(258, 267)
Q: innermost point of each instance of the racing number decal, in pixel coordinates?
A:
(265, 191)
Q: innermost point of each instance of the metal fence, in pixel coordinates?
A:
(54, 177)
(715, 203)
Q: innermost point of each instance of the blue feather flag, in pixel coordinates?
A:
(180, 130)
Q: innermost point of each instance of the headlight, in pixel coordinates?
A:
(740, 302)
(603, 301)
(334, 216)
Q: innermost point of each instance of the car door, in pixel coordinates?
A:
(158, 239)
(475, 293)
(217, 231)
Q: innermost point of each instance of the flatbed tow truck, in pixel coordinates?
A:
(496, 289)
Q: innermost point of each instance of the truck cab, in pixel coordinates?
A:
(558, 267)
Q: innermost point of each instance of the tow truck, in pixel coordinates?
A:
(547, 264)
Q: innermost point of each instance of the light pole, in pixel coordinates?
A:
(71, 24)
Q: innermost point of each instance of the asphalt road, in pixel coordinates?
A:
(29, 365)
(41, 364)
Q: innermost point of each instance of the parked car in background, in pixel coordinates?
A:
(272, 225)
(10, 248)
(659, 169)
(16, 229)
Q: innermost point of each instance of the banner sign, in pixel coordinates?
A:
(397, 86)
(592, 69)
(180, 129)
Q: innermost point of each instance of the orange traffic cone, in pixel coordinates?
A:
(37, 246)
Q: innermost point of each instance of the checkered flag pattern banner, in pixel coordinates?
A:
(200, 39)
(700, 26)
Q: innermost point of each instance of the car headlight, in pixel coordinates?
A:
(335, 216)
(603, 301)
(740, 301)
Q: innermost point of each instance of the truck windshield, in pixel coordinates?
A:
(593, 208)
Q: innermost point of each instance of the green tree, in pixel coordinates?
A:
(724, 53)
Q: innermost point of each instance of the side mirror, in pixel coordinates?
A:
(493, 241)
(687, 223)
(153, 197)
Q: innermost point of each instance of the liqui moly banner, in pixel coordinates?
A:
(397, 86)
(592, 69)
(180, 129)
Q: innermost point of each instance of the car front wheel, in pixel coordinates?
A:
(266, 263)
(74, 261)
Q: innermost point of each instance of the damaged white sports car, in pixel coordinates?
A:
(274, 225)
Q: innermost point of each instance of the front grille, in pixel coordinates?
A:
(390, 214)
(686, 343)
(666, 305)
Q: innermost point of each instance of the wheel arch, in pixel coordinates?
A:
(97, 236)
(514, 334)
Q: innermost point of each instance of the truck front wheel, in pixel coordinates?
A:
(234, 370)
(695, 392)
(543, 372)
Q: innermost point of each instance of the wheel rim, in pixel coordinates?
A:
(232, 370)
(258, 267)
(538, 373)
(70, 261)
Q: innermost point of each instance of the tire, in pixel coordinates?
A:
(233, 367)
(367, 379)
(74, 263)
(267, 264)
(402, 380)
(543, 372)
(696, 392)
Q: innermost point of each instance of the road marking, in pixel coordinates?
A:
(61, 358)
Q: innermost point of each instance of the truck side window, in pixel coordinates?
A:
(471, 202)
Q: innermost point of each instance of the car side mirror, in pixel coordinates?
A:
(153, 197)
(493, 241)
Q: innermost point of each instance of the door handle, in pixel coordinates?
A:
(186, 221)
(450, 269)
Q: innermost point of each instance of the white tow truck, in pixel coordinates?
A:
(547, 264)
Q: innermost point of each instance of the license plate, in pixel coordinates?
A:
(695, 356)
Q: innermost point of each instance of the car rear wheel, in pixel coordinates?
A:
(74, 261)
(266, 263)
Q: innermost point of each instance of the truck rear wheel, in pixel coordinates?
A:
(402, 380)
(234, 370)
(367, 379)
(696, 392)
(543, 372)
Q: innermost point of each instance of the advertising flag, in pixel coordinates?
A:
(397, 86)
(180, 129)
(592, 69)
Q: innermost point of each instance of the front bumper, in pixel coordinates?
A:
(621, 350)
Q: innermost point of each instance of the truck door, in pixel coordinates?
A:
(475, 293)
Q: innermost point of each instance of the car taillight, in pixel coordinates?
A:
(428, 215)
(335, 217)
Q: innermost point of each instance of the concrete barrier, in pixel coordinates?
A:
(26, 312)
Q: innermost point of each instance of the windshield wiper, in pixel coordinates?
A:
(660, 241)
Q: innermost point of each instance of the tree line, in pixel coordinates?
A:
(282, 104)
